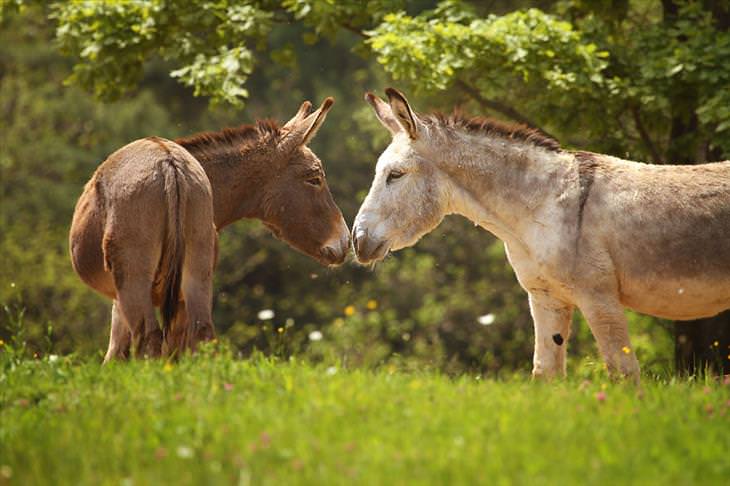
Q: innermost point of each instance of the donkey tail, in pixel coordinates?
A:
(173, 248)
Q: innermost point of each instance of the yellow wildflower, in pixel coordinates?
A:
(167, 368)
(716, 344)
(350, 310)
(372, 304)
(2, 343)
(280, 330)
(626, 349)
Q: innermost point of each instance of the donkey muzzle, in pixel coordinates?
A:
(368, 249)
(335, 252)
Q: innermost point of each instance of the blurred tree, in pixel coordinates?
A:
(620, 70)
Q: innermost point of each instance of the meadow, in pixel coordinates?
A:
(217, 419)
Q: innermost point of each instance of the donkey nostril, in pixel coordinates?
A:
(334, 256)
(329, 253)
(358, 239)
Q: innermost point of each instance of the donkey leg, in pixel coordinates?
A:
(608, 324)
(120, 339)
(177, 335)
(197, 284)
(552, 329)
(135, 303)
(197, 294)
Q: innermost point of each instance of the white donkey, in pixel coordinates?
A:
(580, 229)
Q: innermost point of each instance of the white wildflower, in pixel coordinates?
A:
(265, 314)
(486, 319)
(184, 452)
(315, 336)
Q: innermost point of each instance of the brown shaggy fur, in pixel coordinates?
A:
(237, 136)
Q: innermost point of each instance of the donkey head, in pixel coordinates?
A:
(408, 195)
(297, 205)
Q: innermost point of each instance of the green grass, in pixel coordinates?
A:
(218, 420)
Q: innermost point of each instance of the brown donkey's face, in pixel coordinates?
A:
(297, 204)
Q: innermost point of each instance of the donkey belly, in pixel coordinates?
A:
(675, 264)
(677, 299)
(85, 245)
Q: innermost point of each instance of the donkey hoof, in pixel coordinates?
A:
(201, 334)
(152, 345)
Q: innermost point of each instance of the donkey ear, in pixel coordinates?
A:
(301, 131)
(303, 111)
(315, 120)
(383, 113)
(402, 111)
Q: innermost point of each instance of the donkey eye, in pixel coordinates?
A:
(315, 181)
(393, 175)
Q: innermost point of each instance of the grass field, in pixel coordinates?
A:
(218, 420)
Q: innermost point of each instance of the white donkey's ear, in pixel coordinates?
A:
(402, 111)
(302, 128)
(383, 113)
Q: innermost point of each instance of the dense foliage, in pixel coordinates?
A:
(646, 80)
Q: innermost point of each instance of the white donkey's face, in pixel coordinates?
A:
(408, 197)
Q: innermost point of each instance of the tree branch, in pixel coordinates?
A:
(645, 138)
(354, 30)
(499, 107)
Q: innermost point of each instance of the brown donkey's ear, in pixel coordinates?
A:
(303, 111)
(402, 111)
(301, 131)
(383, 113)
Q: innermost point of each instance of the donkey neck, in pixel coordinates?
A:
(503, 185)
(236, 176)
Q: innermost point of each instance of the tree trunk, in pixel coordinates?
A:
(703, 345)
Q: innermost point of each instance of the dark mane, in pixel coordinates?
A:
(490, 126)
(237, 136)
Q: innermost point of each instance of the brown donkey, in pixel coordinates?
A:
(144, 231)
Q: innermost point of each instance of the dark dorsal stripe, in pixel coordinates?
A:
(490, 126)
(587, 163)
(160, 143)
